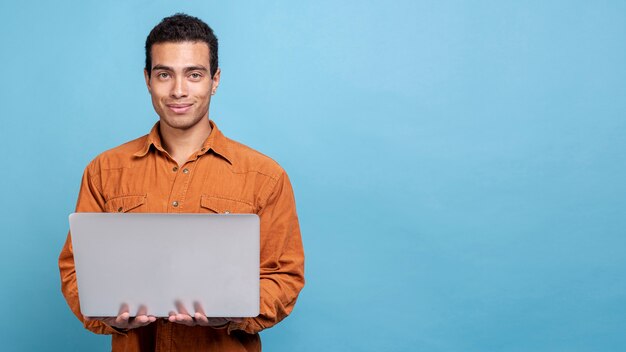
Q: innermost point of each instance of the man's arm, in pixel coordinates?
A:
(90, 199)
(282, 259)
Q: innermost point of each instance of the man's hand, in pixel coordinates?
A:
(124, 321)
(199, 318)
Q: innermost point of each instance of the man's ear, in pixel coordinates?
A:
(147, 78)
(216, 80)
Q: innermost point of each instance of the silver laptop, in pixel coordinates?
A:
(165, 262)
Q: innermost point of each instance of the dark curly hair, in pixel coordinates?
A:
(182, 28)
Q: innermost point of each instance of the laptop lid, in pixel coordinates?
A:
(165, 261)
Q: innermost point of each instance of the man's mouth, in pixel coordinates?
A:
(179, 108)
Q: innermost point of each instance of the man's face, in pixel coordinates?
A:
(180, 83)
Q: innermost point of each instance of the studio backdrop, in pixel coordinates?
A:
(459, 166)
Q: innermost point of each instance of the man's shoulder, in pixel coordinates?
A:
(246, 159)
(117, 157)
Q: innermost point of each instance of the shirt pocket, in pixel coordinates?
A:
(220, 205)
(125, 204)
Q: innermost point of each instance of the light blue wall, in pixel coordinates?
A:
(459, 166)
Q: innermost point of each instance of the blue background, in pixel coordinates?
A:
(459, 166)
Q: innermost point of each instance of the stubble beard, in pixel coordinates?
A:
(182, 122)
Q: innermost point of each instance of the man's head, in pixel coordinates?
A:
(182, 28)
(181, 71)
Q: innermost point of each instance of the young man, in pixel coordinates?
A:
(186, 165)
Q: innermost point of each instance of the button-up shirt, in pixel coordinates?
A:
(223, 176)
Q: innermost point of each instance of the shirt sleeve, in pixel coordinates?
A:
(90, 199)
(282, 259)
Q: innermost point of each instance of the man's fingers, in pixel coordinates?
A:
(124, 321)
(200, 316)
(122, 318)
(143, 310)
(181, 308)
(181, 319)
(201, 319)
(121, 321)
(198, 307)
(139, 321)
(123, 308)
(183, 316)
(172, 317)
(185, 319)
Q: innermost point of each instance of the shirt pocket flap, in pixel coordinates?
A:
(123, 204)
(225, 205)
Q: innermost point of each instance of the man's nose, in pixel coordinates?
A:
(179, 89)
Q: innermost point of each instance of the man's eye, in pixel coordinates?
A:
(163, 75)
(195, 75)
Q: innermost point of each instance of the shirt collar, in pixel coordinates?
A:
(216, 142)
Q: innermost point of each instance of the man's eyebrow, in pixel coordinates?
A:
(161, 67)
(195, 68)
(186, 69)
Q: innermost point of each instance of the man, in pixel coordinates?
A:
(186, 165)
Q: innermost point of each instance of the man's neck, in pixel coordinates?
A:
(182, 143)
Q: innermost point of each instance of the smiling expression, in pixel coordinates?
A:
(181, 84)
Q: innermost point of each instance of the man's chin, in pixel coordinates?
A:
(180, 122)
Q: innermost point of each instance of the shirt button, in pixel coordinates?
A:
(174, 203)
(175, 168)
(119, 210)
(203, 149)
(185, 171)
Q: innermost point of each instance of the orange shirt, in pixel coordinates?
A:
(223, 176)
